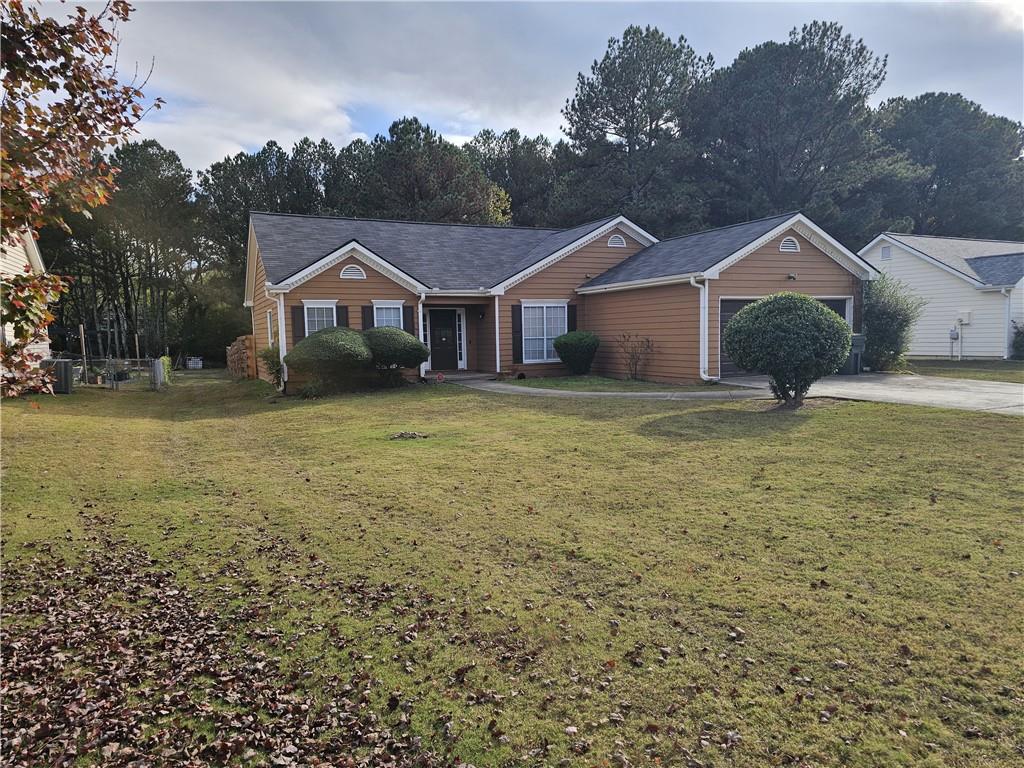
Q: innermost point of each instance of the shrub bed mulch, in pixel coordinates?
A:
(112, 661)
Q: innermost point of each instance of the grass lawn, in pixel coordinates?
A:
(605, 384)
(985, 370)
(660, 582)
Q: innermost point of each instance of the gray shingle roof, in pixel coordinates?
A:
(993, 262)
(688, 254)
(441, 256)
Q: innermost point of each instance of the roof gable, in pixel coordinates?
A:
(982, 263)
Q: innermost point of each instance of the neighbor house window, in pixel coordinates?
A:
(319, 315)
(789, 245)
(886, 253)
(387, 313)
(542, 324)
(353, 272)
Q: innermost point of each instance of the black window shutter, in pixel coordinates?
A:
(517, 333)
(298, 324)
(341, 316)
(368, 317)
(570, 318)
(407, 320)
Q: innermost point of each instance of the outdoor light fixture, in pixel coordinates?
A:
(791, 276)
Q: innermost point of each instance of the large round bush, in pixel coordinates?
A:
(393, 349)
(793, 338)
(332, 357)
(577, 349)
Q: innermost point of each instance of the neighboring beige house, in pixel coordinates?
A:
(13, 260)
(974, 291)
(493, 299)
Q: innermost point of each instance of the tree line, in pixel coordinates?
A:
(654, 131)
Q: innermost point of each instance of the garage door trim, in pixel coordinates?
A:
(848, 318)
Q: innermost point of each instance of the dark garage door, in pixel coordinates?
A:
(729, 307)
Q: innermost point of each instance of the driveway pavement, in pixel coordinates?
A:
(963, 394)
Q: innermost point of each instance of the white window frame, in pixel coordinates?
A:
(616, 241)
(546, 303)
(356, 268)
(308, 304)
(390, 304)
(789, 239)
(270, 327)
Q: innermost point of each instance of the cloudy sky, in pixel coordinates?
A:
(237, 74)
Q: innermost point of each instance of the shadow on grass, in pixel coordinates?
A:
(757, 420)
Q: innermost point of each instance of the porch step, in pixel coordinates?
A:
(461, 375)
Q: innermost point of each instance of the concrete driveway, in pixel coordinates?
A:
(963, 394)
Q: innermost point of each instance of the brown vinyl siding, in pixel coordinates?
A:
(766, 271)
(559, 281)
(261, 304)
(669, 315)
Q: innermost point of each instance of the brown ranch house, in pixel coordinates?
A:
(492, 298)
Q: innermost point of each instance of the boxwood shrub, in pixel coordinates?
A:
(577, 349)
(333, 358)
(392, 350)
(793, 338)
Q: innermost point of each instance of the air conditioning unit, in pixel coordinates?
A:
(963, 317)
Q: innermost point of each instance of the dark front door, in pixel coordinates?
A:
(444, 350)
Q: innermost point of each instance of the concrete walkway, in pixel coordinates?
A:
(713, 393)
(961, 394)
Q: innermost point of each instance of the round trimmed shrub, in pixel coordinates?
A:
(577, 349)
(392, 350)
(332, 357)
(792, 338)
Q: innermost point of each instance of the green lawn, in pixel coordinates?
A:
(605, 384)
(664, 582)
(985, 370)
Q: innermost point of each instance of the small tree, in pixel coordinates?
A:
(635, 349)
(1017, 345)
(793, 338)
(332, 357)
(393, 349)
(577, 349)
(271, 357)
(890, 311)
(25, 311)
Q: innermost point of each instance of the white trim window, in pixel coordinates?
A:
(270, 327)
(543, 322)
(387, 314)
(319, 314)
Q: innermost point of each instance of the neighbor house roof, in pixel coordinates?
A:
(992, 262)
(688, 254)
(440, 256)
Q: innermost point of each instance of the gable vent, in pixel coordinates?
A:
(789, 245)
(886, 253)
(353, 272)
(616, 241)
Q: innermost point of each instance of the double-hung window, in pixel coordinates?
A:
(319, 315)
(543, 322)
(387, 313)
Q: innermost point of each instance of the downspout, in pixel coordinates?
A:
(497, 337)
(703, 288)
(282, 345)
(1008, 340)
(423, 337)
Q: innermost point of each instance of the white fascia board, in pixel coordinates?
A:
(618, 222)
(362, 253)
(833, 248)
(922, 255)
(652, 282)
